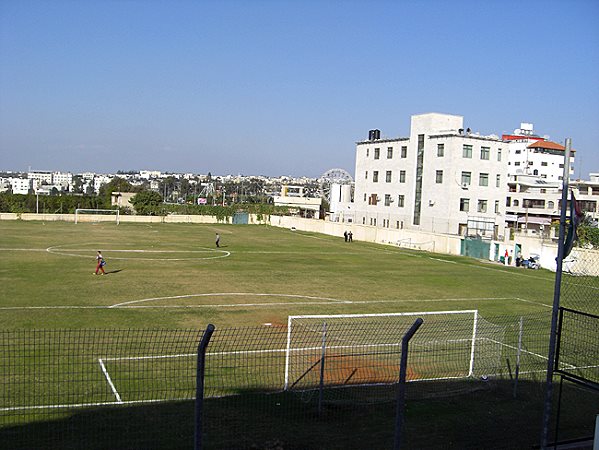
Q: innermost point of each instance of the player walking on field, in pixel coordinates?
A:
(100, 263)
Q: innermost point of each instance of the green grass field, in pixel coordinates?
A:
(164, 280)
(172, 276)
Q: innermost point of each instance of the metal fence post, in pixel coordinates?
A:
(322, 358)
(401, 391)
(201, 366)
(518, 356)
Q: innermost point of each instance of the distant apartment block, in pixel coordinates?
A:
(21, 185)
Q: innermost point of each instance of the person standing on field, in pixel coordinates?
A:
(100, 263)
(217, 240)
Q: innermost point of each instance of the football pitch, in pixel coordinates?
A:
(173, 276)
(81, 350)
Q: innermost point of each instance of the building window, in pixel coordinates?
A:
(366, 175)
(377, 153)
(404, 151)
(365, 196)
(440, 150)
(517, 163)
(516, 202)
(367, 152)
(464, 204)
(375, 176)
(467, 151)
(400, 201)
(373, 199)
(439, 177)
(482, 206)
(485, 153)
(388, 176)
(543, 163)
(550, 204)
(483, 179)
(496, 206)
(518, 152)
(498, 181)
(387, 199)
(535, 172)
(508, 201)
(402, 176)
(498, 154)
(466, 177)
(389, 152)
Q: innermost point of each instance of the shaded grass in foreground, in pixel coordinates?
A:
(473, 415)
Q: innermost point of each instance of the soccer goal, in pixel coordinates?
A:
(365, 349)
(97, 215)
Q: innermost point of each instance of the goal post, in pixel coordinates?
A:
(365, 349)
(97, 215)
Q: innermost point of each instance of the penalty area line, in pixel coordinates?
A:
(110, 383)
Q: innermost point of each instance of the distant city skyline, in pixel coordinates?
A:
(281, 87)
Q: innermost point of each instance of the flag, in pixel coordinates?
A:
(576, 216)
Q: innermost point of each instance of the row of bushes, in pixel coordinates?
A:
(146, 203)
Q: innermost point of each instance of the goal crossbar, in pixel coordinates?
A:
(321, 317)
(80, 211)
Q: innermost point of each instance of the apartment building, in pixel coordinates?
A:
(535, 178)
(21, 185)
(62, 179)
(442, 178)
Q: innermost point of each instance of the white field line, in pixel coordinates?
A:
(279, 350)
(325, 301)
(58, 250)
(328, 299)
(22, 250)
(92, 404)
(526, 351)
(110, 383)
(442, 260)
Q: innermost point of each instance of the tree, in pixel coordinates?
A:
(147, 202)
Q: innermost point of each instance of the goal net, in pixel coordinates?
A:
(97, 215)
(365, 349)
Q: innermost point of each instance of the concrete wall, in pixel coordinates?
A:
(389, 236)
(173, 218)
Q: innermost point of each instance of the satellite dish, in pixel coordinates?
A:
(330, 177)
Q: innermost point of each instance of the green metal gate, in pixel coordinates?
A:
(241, 218)
(475, 248)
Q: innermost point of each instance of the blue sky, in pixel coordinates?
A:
(283, 87)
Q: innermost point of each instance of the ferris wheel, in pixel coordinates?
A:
(330, 177)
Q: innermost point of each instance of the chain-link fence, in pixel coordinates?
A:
(327, 383)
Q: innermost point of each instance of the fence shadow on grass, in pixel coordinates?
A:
(153, 426)
(458, 414)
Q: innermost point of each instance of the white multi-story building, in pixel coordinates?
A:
(99, 180)
(62, 179)
(442, 178)
(535, 177)
(529, 154)
(40, 177)
(149, 174)
(21, 185)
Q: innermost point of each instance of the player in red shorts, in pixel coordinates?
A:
(100, 263)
